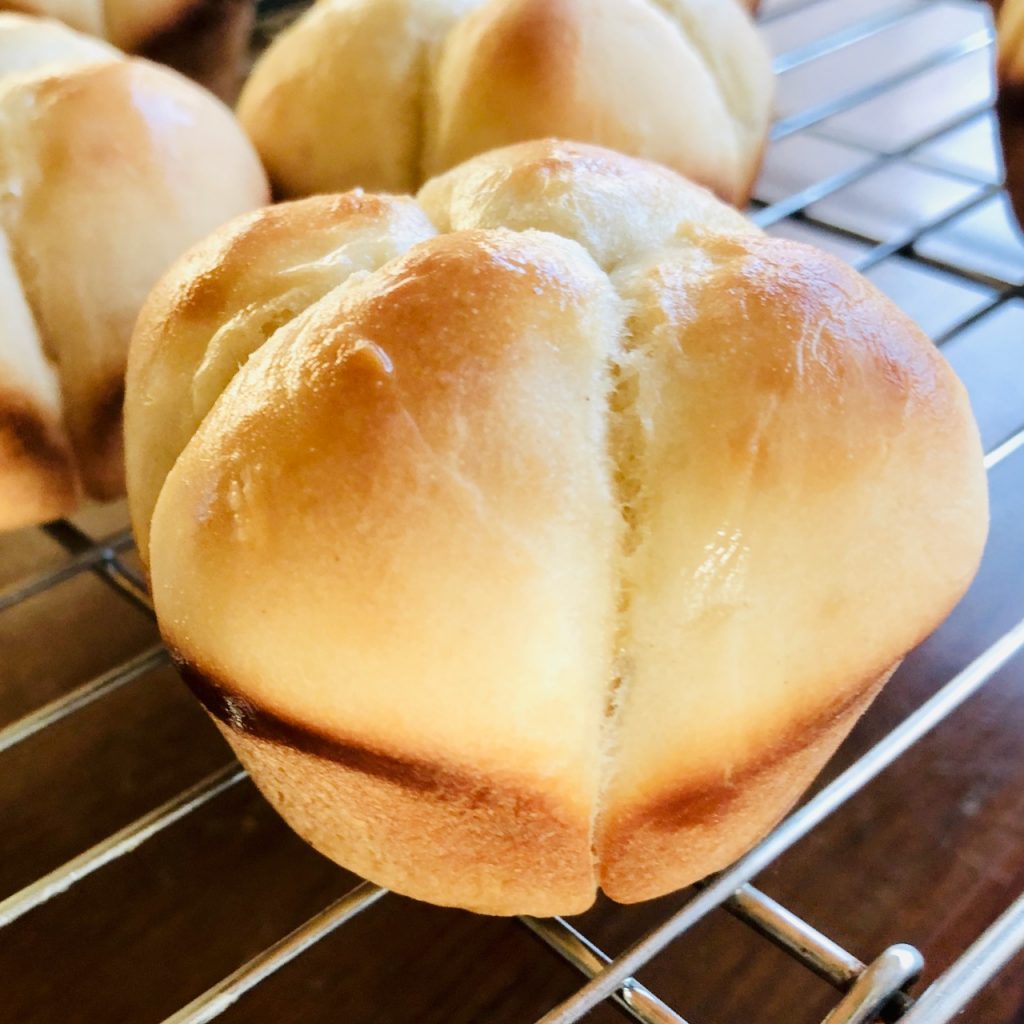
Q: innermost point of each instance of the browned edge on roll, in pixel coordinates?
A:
(488, 843)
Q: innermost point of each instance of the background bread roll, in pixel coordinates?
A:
(205, 39)
(385, 93)
(113, 168)
(547, 532)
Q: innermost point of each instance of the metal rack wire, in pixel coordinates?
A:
(868, 990)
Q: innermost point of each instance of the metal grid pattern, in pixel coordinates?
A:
(867, 991)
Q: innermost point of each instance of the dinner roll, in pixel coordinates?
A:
(112, 168)
(205, 39)
(546, 532)
(1010, 97)
(383, 94)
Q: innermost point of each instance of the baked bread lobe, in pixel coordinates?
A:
(804, 433)
(383, 94)
(112, 176)
(547, 532)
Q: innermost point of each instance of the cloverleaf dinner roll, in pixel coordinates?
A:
(1010, 97)
(383, 94)
(110, 169)
(205, 39)
(545, 532)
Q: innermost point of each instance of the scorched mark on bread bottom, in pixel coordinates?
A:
(694, 803)
(242, 715)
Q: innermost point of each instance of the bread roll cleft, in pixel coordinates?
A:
(383, 94)
(545, 533)
(110, 169)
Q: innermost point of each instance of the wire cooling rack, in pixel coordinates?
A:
(822, 198)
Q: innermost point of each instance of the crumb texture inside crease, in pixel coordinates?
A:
(626, 445)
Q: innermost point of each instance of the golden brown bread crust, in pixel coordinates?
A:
(245, 266)
(445, 821)
(356, 805)
(383, 94)
(708, 822)
(112, 162)
(527, 69)
(449, 372)
(507, 528)
(204, 39)
(754, 448)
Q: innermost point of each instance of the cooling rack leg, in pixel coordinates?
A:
(640, 1003)
(880, 982)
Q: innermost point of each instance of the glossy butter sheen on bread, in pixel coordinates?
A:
(545, 532)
